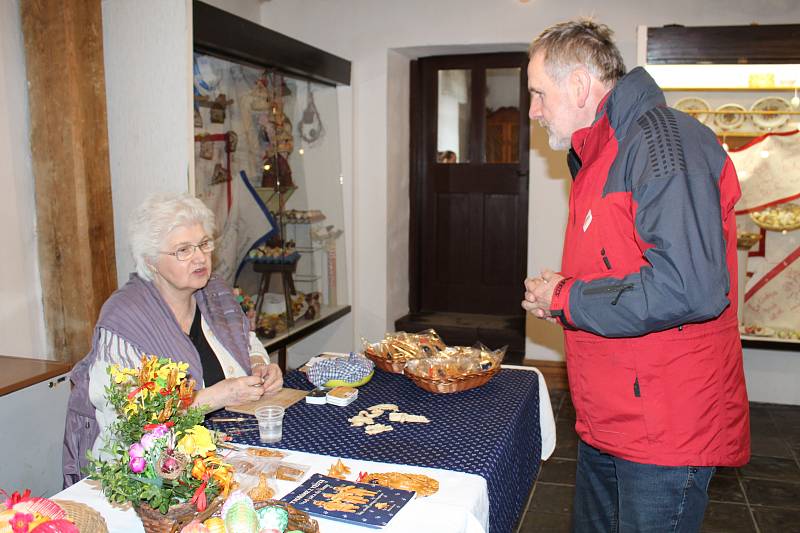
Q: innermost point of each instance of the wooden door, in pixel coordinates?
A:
(469, 183)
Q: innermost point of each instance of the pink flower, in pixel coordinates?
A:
(19, 522)
(137, 465)
(159, 431)
(136, 450)
(148, 440)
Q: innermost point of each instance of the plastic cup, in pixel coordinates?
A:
(270, 423)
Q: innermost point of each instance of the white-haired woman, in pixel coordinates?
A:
(171, 307)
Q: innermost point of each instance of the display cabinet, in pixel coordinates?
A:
(267, 161)
(743, 84)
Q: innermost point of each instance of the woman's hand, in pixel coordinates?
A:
(231, 391)
(272, 377)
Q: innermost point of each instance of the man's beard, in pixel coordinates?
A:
(556, 142)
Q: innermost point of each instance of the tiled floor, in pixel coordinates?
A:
(762, 497)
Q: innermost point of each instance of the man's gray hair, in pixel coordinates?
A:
(579, 42)
(158, 215)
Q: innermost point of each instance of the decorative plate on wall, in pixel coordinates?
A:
(774, 104)
(730, 116)
(696, 107)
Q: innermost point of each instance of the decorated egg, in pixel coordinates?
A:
(241, 518)
(194, 527)
(273, 518)
(60, 525)
(215, 525)
(234, 498)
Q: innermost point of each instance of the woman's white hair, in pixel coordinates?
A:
(156, 217)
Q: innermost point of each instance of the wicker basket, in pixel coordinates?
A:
(84, 517)
(395, 367)
(450, 385)
(177, 516)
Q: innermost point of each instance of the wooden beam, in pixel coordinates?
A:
(69, 149)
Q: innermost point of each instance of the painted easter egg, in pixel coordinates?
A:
(215, 525)
(241, 518)
(59, 525)
(194, 527)
(273, 517)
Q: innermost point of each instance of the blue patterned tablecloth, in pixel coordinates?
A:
(492, 431)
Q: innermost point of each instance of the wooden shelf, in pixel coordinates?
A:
(770, 343)
(731, 89)
(749, 134)
(302, 329)
(748, 112)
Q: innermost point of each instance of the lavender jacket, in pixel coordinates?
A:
(138, 316)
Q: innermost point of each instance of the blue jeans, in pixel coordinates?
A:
(613, 495)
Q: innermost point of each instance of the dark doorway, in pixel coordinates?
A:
(469, 197)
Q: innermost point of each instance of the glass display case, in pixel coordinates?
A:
(267, 162)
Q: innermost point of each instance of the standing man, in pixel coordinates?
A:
(647, 289)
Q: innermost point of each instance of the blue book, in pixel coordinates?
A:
(347, 501)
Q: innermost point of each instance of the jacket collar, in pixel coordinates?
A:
(633, 95)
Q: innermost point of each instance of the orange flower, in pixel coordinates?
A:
(167, 411)
(198, 469)
(224, 477)
(172, 380)
(145, 374)
(186, 392)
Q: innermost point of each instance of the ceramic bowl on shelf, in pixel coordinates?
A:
(696, 107)
(730, 116)
(774, 104)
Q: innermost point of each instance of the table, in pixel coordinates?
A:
(460, 506)
(482, 487)
(494, 431)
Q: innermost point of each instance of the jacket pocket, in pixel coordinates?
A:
(609, 384)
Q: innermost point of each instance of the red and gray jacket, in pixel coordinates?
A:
(649, 304)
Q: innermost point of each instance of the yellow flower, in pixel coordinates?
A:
(197, 441)
(131, 408)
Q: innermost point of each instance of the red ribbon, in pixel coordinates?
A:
(186, 401)
(148, 427)
(150, 385)
(769, 276)
(200, 495)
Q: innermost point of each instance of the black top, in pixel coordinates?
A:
(212, 370)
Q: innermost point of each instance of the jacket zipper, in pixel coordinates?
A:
(605, 258)
(636, 391)
(619, 289)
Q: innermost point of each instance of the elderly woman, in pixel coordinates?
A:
(171, 307)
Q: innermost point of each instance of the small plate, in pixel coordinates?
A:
(696, 107)
(756, 330)
(784, 217)
(730, 116)
(774, 104)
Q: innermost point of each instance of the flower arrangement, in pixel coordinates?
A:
(159, 454)
(22, 513)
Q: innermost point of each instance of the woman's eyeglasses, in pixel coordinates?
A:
(185, 252)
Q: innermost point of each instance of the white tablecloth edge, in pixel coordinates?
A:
(547, 422)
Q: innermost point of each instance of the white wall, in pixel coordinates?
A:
(22, 331)
(370, 32)
(148, 50)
